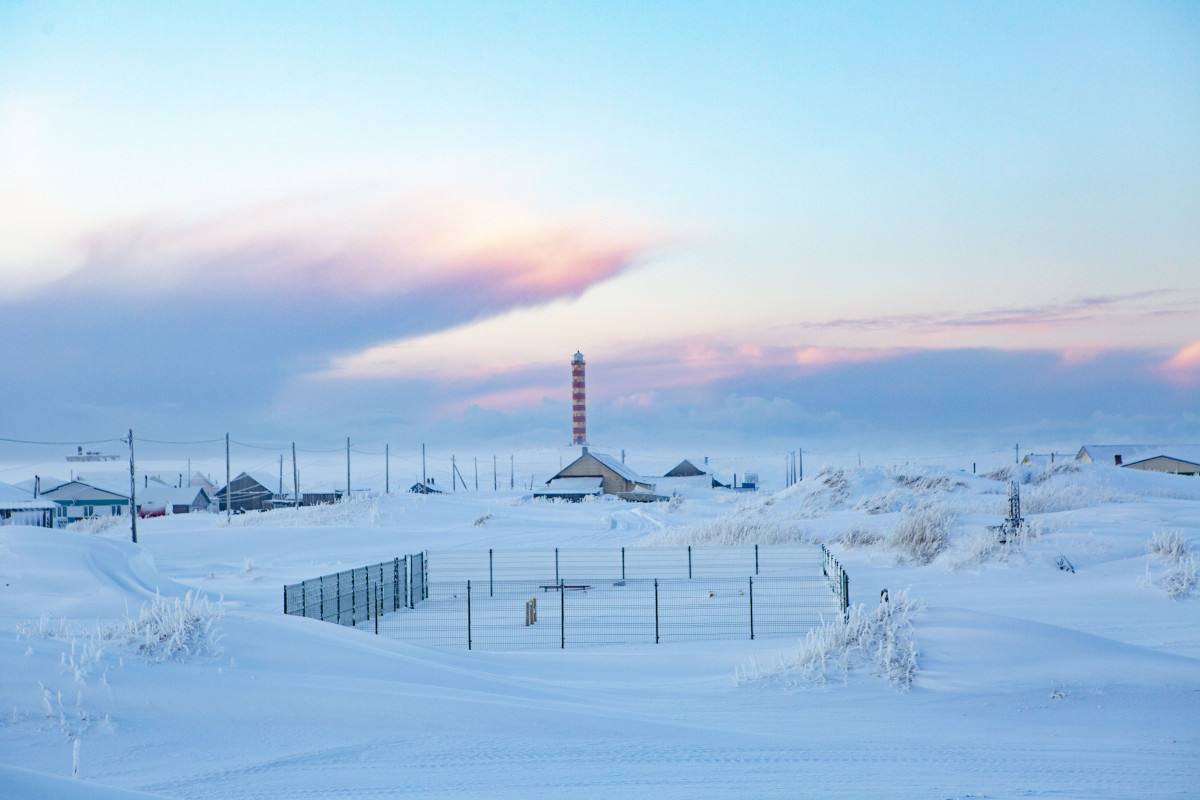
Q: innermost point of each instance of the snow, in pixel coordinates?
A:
(1029, 681)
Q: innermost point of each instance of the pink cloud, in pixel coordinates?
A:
(1183, 367)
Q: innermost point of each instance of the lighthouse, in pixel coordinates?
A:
(578, 400)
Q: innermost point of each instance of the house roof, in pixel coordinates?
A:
(616, 466)
(13, 498)
(170, 495)
(268, 482)
(101, 490)
(572, 486)
(1134, 453)
(684, 469)
(47, 483)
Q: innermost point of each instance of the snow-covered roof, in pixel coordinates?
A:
(13, 497)
(616, 466)
(47, 483)
(169, 495)
(1133, 453)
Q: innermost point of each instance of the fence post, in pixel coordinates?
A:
(845, 593)
(378, 601)
(468, 615)
(339, 598)
(622, 563)
(396, 584)
(752, 607)
(557, 579)
(656, 610)
(562, 614)
(322, 579)
(755, 559)
(490, 574)
(689, 562)
(353, 600)
(285, 597)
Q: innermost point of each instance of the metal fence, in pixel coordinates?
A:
(584, 597)
(354, 596)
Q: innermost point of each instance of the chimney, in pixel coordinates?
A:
(1117, 459)
(585, 449)
(37, 486)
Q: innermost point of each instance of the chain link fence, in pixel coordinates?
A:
(586, 597)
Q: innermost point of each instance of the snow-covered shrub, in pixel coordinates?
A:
(1181, 570)
(1168, 545)
(924, 532)
(859, 537)
(676, 502)
(173, 628)
(880, 640)
(733, 529)
(98, 524)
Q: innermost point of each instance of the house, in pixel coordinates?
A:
(157, 501)
(250, 492)
(19, 507)
(424, 488)
(80, 500)
(615, 477)
(684, 469)
(1172, 458)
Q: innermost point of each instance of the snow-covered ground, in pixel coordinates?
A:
(1031, 681)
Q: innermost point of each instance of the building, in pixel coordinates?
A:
(80, 500)
(1172, 458)
(615, 478)
(578, 400)
(1044, 460)
(19, 507)
(574, 489)
(684, 469)
(249, 493)
(157, 501)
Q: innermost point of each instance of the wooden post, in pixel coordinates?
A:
(477, 473)
(295, 477)
(347, 468)
(228, 489)
(424, 480)
(495, 485)
(387, 470)
(132, 490)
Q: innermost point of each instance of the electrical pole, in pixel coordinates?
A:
(454, 476)
(387, 470)
(347, 467)
(228, 488)
(512, 461)
(800, 452)
(477, 473)
(495, 485)
(1017, 453)
(189, 472)
(132, 491)
(424, 480)
(281, 475)
(295, 477)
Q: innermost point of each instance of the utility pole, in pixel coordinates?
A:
(1017, 453)
(495, 485)
(281, 475)
(347, 467)
(512, 460)
(295, 477)
(228, 488)
(189, 472)
(387, 469)
(477, 473)
(424, 480)
(800, 453)
(453, 476)
(132, 491)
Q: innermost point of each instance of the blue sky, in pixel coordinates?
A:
(401, 219)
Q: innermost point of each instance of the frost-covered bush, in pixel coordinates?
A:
(924, 532)
(880, 640)
(859, 537)
(733, 529)
(98, 524)
(1180, 573)
(1168, 545)
(173, 628)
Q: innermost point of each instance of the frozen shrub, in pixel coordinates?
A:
(859, 537)
(676, 502)
(173, 628)
(1180, 579)
(98, 524)
(733, 529)
(924, 532)
(880, 640)
(1168, 545)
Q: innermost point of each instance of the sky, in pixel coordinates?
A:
(760, 222)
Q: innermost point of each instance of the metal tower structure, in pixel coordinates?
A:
(578, 400)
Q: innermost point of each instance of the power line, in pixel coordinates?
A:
(166, 441)
(77, 441)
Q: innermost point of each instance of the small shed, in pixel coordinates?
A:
(249, 493)
(615, 477)
(19, 507)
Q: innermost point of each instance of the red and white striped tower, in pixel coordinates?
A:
(578, 401)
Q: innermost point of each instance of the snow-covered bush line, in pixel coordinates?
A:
(98, 524)
(924, 532)
(356, 512)
(1181, 570)
(166, 628)
(1066, 495)
(733, 529)
(880, 640)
